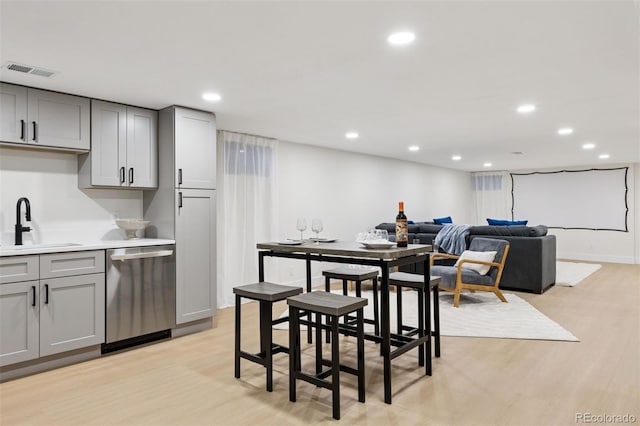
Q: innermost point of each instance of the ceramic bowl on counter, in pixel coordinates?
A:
(131, 226)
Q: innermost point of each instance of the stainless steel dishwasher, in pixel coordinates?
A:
(141, 295)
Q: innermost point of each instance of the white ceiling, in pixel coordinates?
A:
(308, 72)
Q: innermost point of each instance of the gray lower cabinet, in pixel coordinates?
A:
(195, 254)
(40, 118)
(61, 311)
(19, 322)
(71, 313)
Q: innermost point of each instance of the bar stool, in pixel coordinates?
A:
(416, 282)
(267, 294)
(358, 275)
(333, 306)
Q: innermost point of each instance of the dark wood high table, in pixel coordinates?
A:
(351, 252)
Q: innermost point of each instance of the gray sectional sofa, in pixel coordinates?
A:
(531, 262)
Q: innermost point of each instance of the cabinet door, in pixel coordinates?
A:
(18, 322)
(142, 148)
(195, 254)
(195, 145)
(58, 120)
(108, 143)
(71, 313)
(13, 113)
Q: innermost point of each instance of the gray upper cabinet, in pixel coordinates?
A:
(195, 157)
(39, 118)
(124, 148)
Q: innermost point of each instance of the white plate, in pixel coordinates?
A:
(378, 245)
(326, 240)
(290, 242)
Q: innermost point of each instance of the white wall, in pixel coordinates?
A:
(354, 192)
(604, 246)
(60, 212)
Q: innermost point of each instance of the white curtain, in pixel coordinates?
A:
(248, 208)
(492, 192)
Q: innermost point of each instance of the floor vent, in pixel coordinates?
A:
(28, 69)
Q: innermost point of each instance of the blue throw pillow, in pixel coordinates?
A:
(442, 220)
(502, 222)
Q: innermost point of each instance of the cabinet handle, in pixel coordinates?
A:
(46, 294)
(131, 175)
(22, 125)
(33, 298)
(179, 200)
(122, 174)
(179, 176)
(35, 130)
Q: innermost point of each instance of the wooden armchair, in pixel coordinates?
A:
(456, 278)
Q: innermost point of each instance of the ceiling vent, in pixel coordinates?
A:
(28, 69)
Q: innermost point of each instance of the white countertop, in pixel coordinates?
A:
(69, 246)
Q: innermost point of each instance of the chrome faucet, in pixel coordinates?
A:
(19, 228)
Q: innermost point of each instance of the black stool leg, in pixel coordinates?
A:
(399, 308)
(319, 342)
(436, 318)
(421, 326)
(345, 290)
(266, 343)
(327, 288)
(360, 337)
(294, 350)
(237, 343)
(376, 310)
(335, 368)
(427, 317)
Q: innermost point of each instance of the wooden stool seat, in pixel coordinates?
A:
(266, 294)
(416, 282)
(333, 306)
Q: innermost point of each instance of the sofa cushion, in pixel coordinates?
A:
(442, 220)
(428, 228)
(483, 256)
(502, 222)
(515, 231)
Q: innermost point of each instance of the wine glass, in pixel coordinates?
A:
(301, 225)
(316, 226)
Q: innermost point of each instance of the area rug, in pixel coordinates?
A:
(479, 315)
(571, 273)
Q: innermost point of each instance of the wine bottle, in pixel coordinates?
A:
(402, 232)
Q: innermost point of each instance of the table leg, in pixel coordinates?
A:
(386, 333)
(308, 261)
(427, 302)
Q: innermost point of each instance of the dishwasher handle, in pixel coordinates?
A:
(146, 255)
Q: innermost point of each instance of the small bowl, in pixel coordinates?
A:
(131, 226)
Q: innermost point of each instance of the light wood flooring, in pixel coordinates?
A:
(478, 381)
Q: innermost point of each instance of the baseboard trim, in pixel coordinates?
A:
(587, 257)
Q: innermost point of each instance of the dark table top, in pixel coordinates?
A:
(347, 249)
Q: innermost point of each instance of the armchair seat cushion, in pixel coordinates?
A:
(448, 275)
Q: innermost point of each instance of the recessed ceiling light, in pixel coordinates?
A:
(401, 38)
(211, 97)
(414, 148)
(456, 158)
(526, 109)
(565, 131)
(588, 146)
(603, 156)
(487, 164)
(351, 135)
